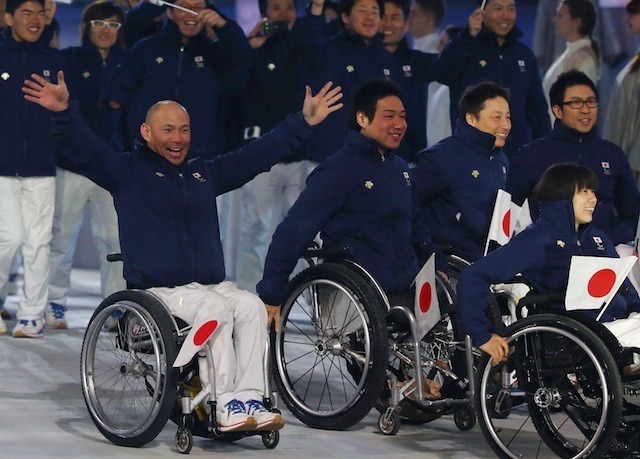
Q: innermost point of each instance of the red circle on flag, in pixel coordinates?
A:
(204, 332)
(601, 283)
(425, 297)
(506, 223)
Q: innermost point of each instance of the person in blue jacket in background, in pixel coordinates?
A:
(363, 197)
(184, 63)
(489, 49)
(542, 254)
(574, 139)
(458, 178)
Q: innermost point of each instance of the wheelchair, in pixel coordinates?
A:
(130, 386)
(344, 349)
(562, 390)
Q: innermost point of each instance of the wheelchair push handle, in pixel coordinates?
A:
(111, 257)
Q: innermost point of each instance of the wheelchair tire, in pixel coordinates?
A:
(560, 383)
(330, 358)
(128, 382)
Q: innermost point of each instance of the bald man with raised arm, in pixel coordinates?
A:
(169, 229)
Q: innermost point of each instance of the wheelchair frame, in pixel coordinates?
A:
(130, 386)
(320, 403)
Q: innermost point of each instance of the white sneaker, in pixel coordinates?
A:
(233, 417)
(265, 419)
(3, 327)
(54, 316)
(28, 329)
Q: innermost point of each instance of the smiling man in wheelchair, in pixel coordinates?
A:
(363, 199)
(169, 233)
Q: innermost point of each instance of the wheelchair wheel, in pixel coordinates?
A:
(128, 383)
(560, 389)
(330, 358)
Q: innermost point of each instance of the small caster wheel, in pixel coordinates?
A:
(271, 438)
(465, 418)
(389, 424)
(184, 440)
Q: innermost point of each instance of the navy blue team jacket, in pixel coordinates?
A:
(542, 253)
(359, 199)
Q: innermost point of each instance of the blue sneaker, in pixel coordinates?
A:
(54, 316)
(233, 417)
(28, 329)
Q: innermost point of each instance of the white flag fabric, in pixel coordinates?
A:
(593, 281)
(426, 306)
(197, 337)
(501, 221)
(523, 219)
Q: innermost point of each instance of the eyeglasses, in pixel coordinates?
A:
(577, 104)
(98, 24)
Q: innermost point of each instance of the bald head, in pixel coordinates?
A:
(167, 131)
(162, 105)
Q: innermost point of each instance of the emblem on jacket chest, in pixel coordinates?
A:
(159, 59)
(368, 184)
(5, 76)
(475, 173)
(407, 178)
(606, 168)
(482, 63)
(199, 177)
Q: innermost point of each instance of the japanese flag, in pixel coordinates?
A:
(197, 337)
(523, 218)
(426, 307)
(502, 221)
(593, 281)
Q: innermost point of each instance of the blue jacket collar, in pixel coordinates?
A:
(473, 137)
(347, 35)
(559, 214)
(561, 131)
(513, 36)
(364, 146)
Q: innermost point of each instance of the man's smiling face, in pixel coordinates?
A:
(167, 131)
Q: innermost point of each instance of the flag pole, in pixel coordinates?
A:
(603, 308)
(178, 7)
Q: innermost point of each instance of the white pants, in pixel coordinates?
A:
(26, 216)
(74, 195)
(626, 330)
(265, 202)
(237, 346)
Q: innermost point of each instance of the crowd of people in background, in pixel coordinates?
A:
(237, 87)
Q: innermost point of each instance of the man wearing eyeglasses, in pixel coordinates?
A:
(574, 139)
(184, 63)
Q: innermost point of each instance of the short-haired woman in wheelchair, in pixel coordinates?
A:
(363, 197)
(542, 254)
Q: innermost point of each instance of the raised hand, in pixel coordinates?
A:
(54, 97)
(316, 108)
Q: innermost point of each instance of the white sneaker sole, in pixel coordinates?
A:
(276, 423)
(22, 334)
(248, 424)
